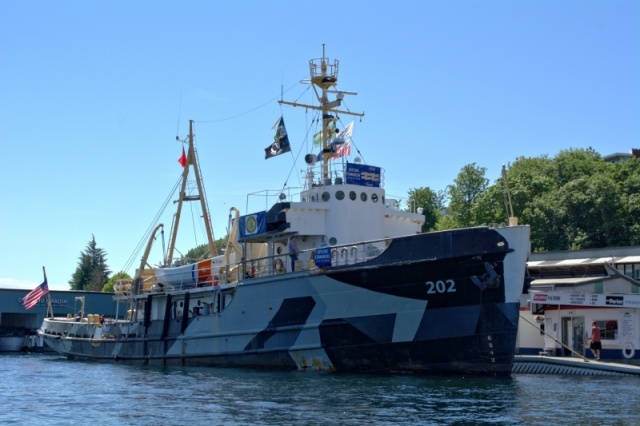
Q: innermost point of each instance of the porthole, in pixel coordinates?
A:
(374, 198)
(325, 196)
(363, 196)
(352, 195)
(340, 195)
(333, 241)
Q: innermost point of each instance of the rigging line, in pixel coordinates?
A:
(344, 104)
(179, 112)
(147, 233)
(302, 94)
(554, 339)
(248, 111)
(358, 151)
(302, 145)
(193, 224)
(308, 125)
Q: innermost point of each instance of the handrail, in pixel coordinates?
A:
(182, 278)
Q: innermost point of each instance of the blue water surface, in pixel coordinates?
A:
(51, 390)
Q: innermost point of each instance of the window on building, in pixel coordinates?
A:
(608, 329)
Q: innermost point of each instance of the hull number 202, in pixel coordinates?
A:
(441, 286)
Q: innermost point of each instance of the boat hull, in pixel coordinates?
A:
(11, 343)
(442, 303)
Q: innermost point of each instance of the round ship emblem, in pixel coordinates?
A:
(251, 224)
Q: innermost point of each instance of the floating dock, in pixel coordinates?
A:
(539, 364)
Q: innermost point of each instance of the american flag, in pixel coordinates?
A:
(345, 148)
(342, 150)
(34, 296)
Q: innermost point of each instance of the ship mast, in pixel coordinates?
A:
(513, 220)
(324, 76)
(192, 161)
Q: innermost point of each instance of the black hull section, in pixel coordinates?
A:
(487, 350)
(469, 263)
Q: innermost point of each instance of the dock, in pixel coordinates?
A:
(540, 364)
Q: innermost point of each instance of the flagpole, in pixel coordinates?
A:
(49, 307)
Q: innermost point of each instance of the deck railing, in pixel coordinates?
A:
(341, 255)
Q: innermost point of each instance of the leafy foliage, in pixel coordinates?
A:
(109, 286)
(431, 204)
(464, 194)
(573, 201)
(92, 272)
(202, 251)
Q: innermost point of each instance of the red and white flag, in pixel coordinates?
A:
(34, 296)
(344, 148)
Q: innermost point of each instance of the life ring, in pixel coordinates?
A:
(628, 351)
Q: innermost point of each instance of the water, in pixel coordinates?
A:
(50, 390)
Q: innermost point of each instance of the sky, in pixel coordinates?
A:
(94, 93)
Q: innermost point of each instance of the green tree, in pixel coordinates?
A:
(197, 253)
(221, 244)
(92, 272)
(573, 164)
(431, 204)
(574, 200)
(468, 186)
(109, 286)
(627, 175)
(491, 206)
(532, 185)
(590, 208)
(202, 251)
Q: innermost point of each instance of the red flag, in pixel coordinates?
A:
(183, 159)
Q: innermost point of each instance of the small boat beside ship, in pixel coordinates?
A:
(11, 342)
(333, 277)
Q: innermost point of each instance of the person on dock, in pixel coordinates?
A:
(596, 344)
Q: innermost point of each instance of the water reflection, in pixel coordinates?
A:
(68, 392)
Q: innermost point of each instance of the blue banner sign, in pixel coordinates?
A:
(363, 175)
(323, 257)
(252, 224)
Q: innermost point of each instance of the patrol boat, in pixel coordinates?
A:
(333, 277)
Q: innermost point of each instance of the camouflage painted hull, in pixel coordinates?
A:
(438, 303)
